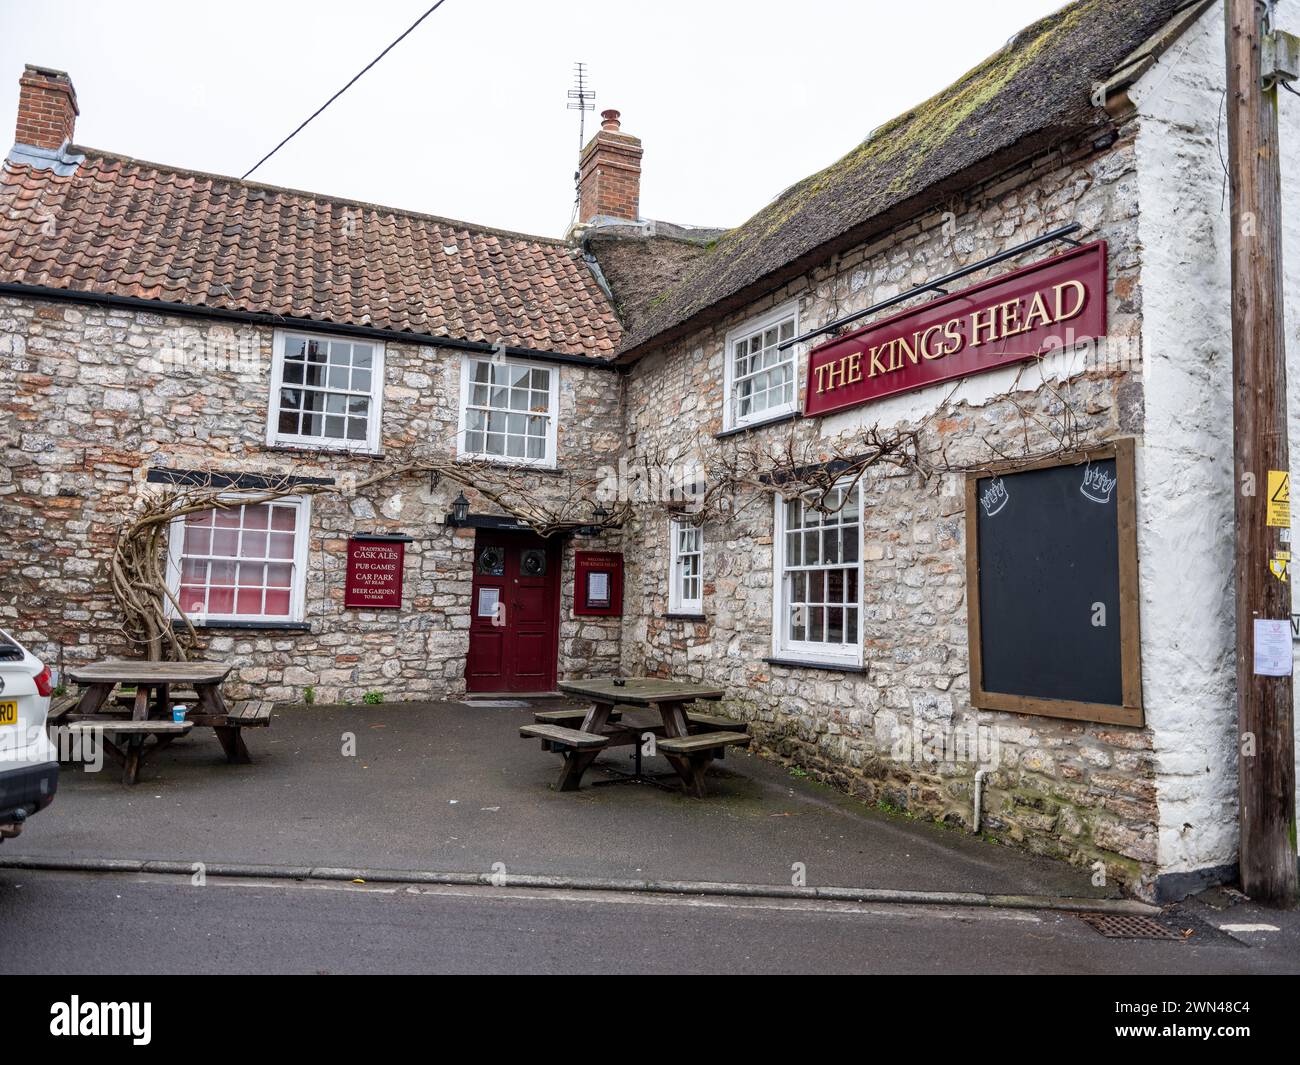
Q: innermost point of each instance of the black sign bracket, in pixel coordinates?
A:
(936, 285)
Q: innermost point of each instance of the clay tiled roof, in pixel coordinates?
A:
(122, 227)
(1030, 96)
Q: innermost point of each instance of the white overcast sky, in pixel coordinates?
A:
(466, 118)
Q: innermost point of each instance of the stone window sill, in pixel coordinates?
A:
(797, 663)
(511, 467)
(749, 427)
(325, 450)
(262, 626)
(686, 617)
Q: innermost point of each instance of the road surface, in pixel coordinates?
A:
(127, 923)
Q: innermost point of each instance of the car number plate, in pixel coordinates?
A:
(8, 712)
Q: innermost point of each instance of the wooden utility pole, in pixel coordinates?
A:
(1265, 710)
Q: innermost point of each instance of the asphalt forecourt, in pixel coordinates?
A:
(450, 790)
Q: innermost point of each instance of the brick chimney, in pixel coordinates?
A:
(609, 173)
(47, 108)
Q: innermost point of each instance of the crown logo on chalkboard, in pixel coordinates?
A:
(1097, 484)
(994, 497)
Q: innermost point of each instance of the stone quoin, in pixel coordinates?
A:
(155, 321)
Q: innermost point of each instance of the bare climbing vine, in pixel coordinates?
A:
(800, 464)
(152, 616)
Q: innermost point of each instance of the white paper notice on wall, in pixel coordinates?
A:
(488, 598)
(598, 589)
(1273, 654)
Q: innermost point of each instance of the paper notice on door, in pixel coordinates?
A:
(488, 598)
(1273, 653)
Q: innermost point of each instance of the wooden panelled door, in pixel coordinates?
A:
(514, 613)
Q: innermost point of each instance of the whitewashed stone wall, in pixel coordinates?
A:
(90, 397)
(1185, 509)
(1084, 792)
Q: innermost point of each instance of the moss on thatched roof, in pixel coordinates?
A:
(1034, 92)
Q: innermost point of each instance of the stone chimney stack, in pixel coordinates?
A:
(609, 174)
(47, 108)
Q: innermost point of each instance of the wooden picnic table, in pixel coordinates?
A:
(688, 749)
(151, 710)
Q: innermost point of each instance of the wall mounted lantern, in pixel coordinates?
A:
(459, 510)
(598, 515)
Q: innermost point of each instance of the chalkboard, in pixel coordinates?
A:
(1051, 587)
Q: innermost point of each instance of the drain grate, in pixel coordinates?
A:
(1128, 926)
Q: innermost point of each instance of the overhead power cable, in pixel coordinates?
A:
(345, 88)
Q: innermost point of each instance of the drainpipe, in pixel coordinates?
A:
(979, 800)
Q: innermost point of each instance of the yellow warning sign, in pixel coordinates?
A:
(1279, 498)
(1280, 565)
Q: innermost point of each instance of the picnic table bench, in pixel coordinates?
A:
(59, 706)
(689, 739)
(127, 744)
(126, 729)
(571, 718)
(695, 752)
(579, 749)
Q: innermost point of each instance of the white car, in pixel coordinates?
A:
(29, 765)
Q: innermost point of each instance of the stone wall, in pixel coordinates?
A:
(90, 397)
(1084, 792)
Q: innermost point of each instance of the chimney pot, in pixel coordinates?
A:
(609, 121)
(47, 108)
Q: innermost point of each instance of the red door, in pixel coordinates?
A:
(514, 613)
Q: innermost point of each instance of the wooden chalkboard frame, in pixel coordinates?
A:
(1130, 713)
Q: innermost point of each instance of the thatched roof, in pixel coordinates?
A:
(1035, 92)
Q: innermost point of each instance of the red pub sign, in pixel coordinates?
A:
(374, 574)
(1054, 304)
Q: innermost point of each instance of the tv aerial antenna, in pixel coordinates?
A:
(581, 99)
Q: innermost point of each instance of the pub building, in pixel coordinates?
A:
(1027, 273)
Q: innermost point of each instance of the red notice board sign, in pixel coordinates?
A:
(374, 575)
(1053, 304)
(598, 583)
